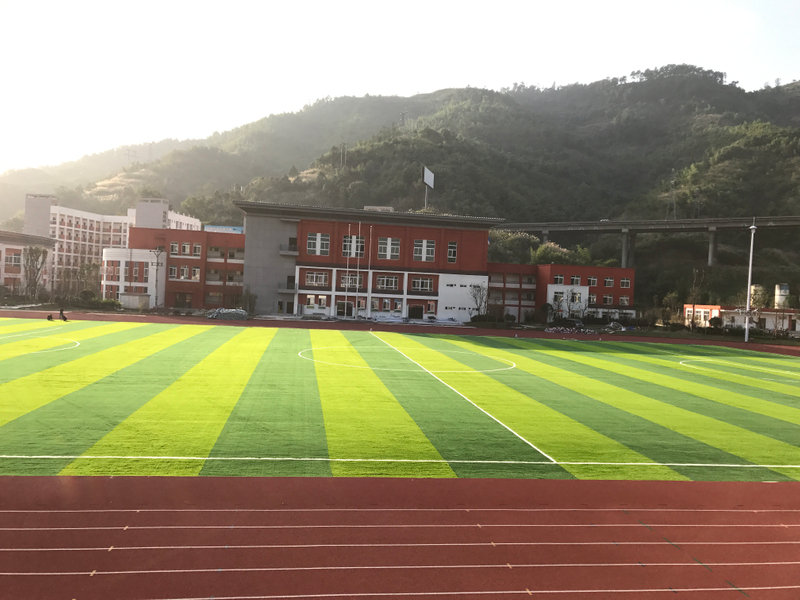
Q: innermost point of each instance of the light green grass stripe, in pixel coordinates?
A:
(60, 337)
(185, 419)
(363, 419)
(708, 392)
(755, 448)
(29, 325)
(20, 396)
(558, 435)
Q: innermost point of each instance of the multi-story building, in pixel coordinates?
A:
(192, 269)
(12, 264)
(82, 236)
(569, 290)
(343, 262)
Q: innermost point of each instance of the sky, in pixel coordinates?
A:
(81, 77)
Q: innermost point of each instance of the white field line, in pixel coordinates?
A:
(737, 365)
(398, 460)
(418, 545)
(5, 337)
(477, 526)
(542, 452)
(77, 343)
(693, 565)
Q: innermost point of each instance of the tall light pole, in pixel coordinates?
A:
(749, 283)
(158, 252)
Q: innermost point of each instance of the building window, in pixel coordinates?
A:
(353, 246)
(318, 244)
(310, 301)
(185, 248)
(184, 272)
(213, 298)
(575, 280)
(317, 279)
(558, 297)
(624, 300)
(136, 271)
(388, 248)
(592, 298)
(197, 250)
(558, 279)
(196, 273)
(624, 282)
(323, 301)
(352, 281)
(387, 282)
(173, 248)
(387, 304)
(452, 251)
(431, 307)
(608, 282)
(398, 305)
(592, 281)
(126, 271)
(173, 272)
(424, 250)
(576, 297)
(375, 304)
(608, 299)
(421, 284)
(13, 260)
(215, 252)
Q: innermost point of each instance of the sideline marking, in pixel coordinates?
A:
(686, 362)
(512, 364)
(401, 460)
(552, 460)
(5, 337)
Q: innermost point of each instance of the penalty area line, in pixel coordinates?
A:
(542, 452)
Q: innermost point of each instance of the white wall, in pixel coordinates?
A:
(455, 301)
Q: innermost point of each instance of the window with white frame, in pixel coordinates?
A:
(624, 300)
(421, 284)
(318, 244)
(592, 298)
(592, 280)
(13, 260)
(173, 272)
(431, 307)
(352, 281)
(558, 297)
(316, 279)
(310, 301)
(136, 270)
(624, 282)
(576, 297)
(387, 304)
(558, 279)
(146, 273)
(387, 282)
(185, 248)
(608, 299)
(424, 250)
(353, 246)
(195, 273)
(184, 272)
(126, 271)
(375, 304)
(575, 280)
(608, 282)
(322, 301)
(197, 249)
(398, 305)
(388, 248)
(452, 251)
(173, 247)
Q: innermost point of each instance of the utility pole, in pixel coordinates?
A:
(158, 252)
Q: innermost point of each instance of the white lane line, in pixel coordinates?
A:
(542, 452)
(5, 337)
(416, 545)
(399, 460)
(399, 526)
(693, 565)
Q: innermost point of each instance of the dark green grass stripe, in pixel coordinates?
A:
(457, 429)
(734, 385)
(22, 366)
(650, 439)
(278, 415)
(74, 423)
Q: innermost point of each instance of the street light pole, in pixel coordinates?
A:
(158, 252)
(749, 283)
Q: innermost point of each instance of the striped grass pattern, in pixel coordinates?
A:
(87, 398)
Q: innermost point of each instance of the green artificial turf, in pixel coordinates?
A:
(223, 400)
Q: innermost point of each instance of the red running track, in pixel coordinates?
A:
(140, 538)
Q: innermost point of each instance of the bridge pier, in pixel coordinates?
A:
(544, 236)
(628, 248)
(712, 246)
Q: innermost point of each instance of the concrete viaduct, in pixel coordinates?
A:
(629, 229)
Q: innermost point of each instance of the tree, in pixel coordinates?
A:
(479, 292)
(89, 278)
(511, 246)
(34, 259)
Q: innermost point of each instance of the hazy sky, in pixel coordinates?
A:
(82, 77)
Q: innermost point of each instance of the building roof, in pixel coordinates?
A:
(328, 213)
(25, 239)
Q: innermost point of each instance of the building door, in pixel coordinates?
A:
(183, 300)
(415, 311)
(344, 309)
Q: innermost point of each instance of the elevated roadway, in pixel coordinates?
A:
(629, 229)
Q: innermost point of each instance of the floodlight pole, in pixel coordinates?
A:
(158, 251)
(749, 283)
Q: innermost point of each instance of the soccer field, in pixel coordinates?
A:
(100, 398)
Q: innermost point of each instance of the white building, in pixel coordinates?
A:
(140, 274)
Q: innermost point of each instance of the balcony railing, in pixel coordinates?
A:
(288, 248)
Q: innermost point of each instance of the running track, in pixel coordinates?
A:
(165, 538)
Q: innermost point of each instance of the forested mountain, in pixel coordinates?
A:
(676, 141)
